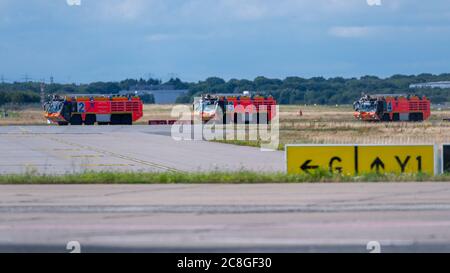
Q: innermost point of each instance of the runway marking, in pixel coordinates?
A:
(124, 157)
(40, 150)
(107, 165)
(67, 150)
(84, 156)
(24, 131)
(27, 165)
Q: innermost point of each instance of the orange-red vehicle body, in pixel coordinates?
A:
(237, 107)
(88, 110)
(392, 108)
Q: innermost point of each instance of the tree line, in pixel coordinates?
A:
(291, 90)
(319, 90)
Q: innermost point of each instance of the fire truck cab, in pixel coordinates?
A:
(117, 110)
(226, 108)
(392, 108)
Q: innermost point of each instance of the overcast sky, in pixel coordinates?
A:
(195, 39)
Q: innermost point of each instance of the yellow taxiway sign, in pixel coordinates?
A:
(359, 159)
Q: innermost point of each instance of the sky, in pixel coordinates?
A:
(106, 40)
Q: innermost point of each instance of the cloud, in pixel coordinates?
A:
(374, 2)
(158, 37)
(386, 30)
(130, 9)
(73, 2)
(351, 31)
(220, 10)
(162, 37)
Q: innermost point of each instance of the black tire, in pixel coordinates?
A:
(116, 119)
(239, 118)
(386, 117)
(246, 118)
(76, 120)
(63, 123)
(416, 117)
(90, 120)
(127, 119)
(103, 123)
(396, 117)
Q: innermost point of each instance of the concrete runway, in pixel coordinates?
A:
(58, 150)
(407, 217)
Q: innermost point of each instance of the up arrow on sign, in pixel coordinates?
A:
(377, 163)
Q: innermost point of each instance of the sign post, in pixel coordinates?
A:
(446, 158)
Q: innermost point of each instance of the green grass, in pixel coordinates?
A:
(210, 177)
(249, 143)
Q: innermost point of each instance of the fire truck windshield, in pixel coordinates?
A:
(55, 107)
(368, 107)
(205, 106)
(209, 107)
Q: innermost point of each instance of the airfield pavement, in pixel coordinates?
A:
(321, 217)
(72, 149)
(335, 217)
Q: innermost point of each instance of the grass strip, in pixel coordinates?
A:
(240, 177)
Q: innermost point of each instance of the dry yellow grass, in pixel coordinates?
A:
(156, 112)
(30, 115)
(335, 125)
(33, 115)
(316, 125)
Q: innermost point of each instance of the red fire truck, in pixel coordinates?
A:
(115, 110)
(392, 108)
(235, 108)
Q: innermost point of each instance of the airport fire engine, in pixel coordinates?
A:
(392, 108)
(232, 108)
(115, 110)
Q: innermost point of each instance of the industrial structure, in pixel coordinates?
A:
(442, 85)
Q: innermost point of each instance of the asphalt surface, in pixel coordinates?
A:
(402, 217)
(59, 150)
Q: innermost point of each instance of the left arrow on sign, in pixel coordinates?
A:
(306, 167)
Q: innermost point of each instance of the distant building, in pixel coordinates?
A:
(161, 96)
(443, 85)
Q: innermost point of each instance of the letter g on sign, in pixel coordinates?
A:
(374, 247)
(74, 246)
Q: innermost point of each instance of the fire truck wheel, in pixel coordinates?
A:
(396, 117)
(239, 118)
(90, 120)
(263, 118)
(416, 117)
(116, 119)
(76, 120)
(127, 120)
(63, 123)
(419, 116)
(103, 123)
